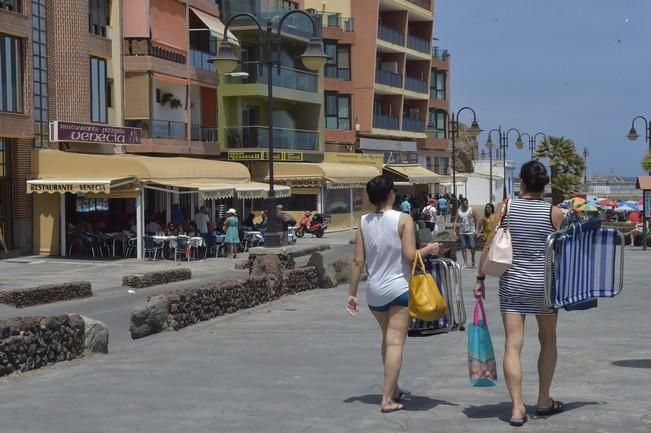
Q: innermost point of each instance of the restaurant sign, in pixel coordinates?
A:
(88, 133)
(63, 186)
(264, 156)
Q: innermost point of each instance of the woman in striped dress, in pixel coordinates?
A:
(530, 220)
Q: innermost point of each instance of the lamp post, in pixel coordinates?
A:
(313, 58)
(453, 128)
(532, 142)
(489, 146)
(633, 135)
(504, 144)
(585, 168)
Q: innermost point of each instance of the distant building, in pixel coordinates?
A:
(615, 187)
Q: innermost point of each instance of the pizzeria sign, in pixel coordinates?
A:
(89, 133)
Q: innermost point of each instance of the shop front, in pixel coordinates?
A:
(334, 188)
(411, 179)
(124, 196)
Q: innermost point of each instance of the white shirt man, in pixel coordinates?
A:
(429, 215)
(202, 219)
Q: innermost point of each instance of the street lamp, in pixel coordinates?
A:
(453, 128)
(633, 135)
(489, 145)
(504, 144)
(313, 58)
(532, 142)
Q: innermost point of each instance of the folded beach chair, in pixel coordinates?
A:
(581, 263)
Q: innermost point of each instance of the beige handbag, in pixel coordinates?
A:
(500, 253)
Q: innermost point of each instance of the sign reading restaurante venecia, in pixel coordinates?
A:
(89, 133)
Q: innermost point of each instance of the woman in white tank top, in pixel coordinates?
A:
(386, 243)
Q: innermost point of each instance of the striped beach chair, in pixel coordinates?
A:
(581, 263)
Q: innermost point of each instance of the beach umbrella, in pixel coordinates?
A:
(578, 201)
(631, 206)
(640, 202)
(635, 217)
(623, 209)
(589, 207)
(631, 201)
(607, 202)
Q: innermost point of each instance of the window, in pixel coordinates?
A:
(437, 123)
(338, 64)
(98, 88)
(337, 111)
(298, 202)
(3, 158)
(437, 85)
(11, 74)
(39, 61)
(12, 5)
(99, 14)
(109, 93)
(441, 165)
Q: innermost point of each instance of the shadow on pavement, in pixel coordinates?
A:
(633, 363)
(502, 411)
(413, 403)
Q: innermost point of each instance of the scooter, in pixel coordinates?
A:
(316, 226)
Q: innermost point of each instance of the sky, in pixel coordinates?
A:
(574, 68)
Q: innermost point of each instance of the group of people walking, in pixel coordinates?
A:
(386, 244)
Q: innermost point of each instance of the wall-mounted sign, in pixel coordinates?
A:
(264, 156)
(647, 204)
(88, 133)
(397, 157)
(63, 186)
(374, 159)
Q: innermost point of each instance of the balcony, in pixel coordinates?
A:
(257, 137)
(440, 54)
(165, 129)
(288, 78)
(334, 19)
(147, 47)
(391, 35)
(199, 59)
(203, 133)
(418, 44)
(425, 4)
(413, 124)
(296, 24)
(415, 85)
(383, 121)
(388, 78)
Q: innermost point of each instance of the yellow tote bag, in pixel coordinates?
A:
(425, 299)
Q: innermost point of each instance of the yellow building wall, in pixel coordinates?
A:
(46, 240)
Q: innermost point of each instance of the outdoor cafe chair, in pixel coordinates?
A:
(211, 245)
(151, 247)
(182, 247)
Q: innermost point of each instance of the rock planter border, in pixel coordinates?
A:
(21, 298)
(156, 278)
(285, 254)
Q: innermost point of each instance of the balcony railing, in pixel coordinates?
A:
(288, 78)
(332, 71)
(389, 34)
(427, 4)
(165, 129)
(199, 60)
(334, 19)
(203, 133)
(255, 136)
(295, 24)
(418, 44)
(383, 121)
(415, 85)
(440, 54)
(389, 78)
(147, 47)
(413, 124)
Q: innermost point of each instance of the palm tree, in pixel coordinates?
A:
(646, 162)
(566, 166)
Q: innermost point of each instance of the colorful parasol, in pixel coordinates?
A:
(589, 207)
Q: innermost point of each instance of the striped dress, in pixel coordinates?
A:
(522, 286)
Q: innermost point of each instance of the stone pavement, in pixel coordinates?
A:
(301, 364)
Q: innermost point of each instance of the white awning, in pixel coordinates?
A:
(215, 25)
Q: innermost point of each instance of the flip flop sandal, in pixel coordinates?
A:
(518, 422)
(556, 407)
(393, 409)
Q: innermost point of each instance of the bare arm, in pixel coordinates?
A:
(358, 264)
(476, 218)
(407, 231)
(484, 253)
(557, 217)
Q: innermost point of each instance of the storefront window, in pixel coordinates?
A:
(337, 201)
(358, 199)
(300, 202)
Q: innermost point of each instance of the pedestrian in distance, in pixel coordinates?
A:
(405, 205)
(386, 243)
(466, 224)
(429, 214)
(443, 207)
(486, 232)
(232, 229)
(521, 288)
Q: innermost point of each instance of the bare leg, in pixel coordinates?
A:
(464, 253)
(514, 333)
(393, 344)
(547, 358)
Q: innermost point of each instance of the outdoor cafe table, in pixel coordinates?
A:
(195, 241)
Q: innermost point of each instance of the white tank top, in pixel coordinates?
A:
(388, 271)
(466, 222)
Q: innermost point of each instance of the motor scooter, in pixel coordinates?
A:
(316, 226)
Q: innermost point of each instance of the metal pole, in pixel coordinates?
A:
(504, 144)
(645, 226)
(585, 169)
(532, 146)
(454, 131)
(490, 186)
(272, 238)
(648, 140)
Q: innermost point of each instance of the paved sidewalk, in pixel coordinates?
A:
(301, 364)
